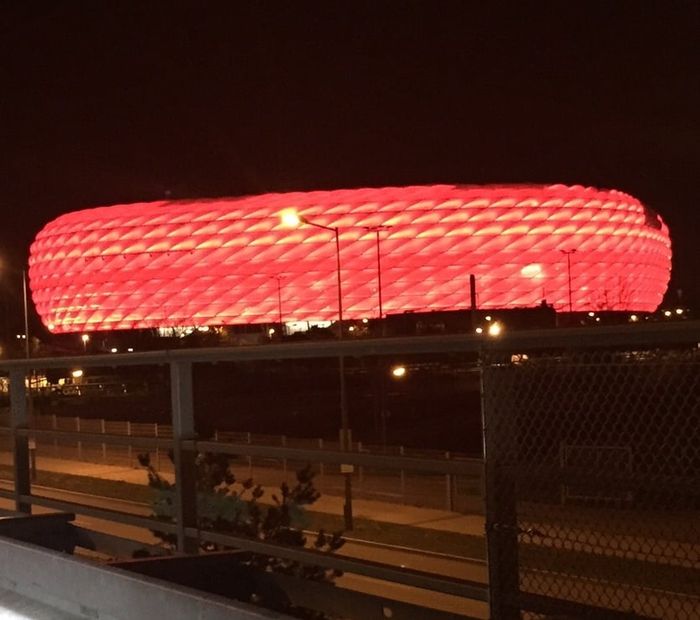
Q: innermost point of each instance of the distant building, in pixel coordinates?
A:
(231, 261)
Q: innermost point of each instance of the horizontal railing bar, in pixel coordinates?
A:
(99, 513)
(377, 570)
(133, 440)
(587, 337)
(457, 466)
(462, 467)
(7, 494)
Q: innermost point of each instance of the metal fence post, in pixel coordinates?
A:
(54, 426)
(321, 465)
(80, 443)
(104, 445)
(128, 433)
(155, 434)
(449, 496)
(360, 469)
(249, 440)
(19, 419)
(403, 477)
(284, 460)
(500, 446)
(183, 429)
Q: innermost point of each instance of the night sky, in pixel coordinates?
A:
(106, 102)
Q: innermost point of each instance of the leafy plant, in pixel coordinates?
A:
(228, 505)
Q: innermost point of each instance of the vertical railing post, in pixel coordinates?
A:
(103, 430)
(54, 427)
(403, 477)
(130, 449)
(19, 419)
(321, 465)
(249, 440)
(360, 469)
(500, 453)
(283, 442)
(156, 435)
(183, 429)
(80, 443)
(449, 496)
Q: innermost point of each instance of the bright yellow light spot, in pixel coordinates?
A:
(51, 327)
(679, 310)
(85, 338)
(495, 329)
(479, 330)
(667, 313)
(77, 373)
(290, 218)
(597, 319)
(487, 317)
(398, 371)
(365, 320)
(533, 270)
(113, 350)
(130, 350)
(271, 331)
(634, 318)
(351, 328)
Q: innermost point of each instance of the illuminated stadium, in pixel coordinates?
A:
(232, 261)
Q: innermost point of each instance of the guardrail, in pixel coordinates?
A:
(503, 507)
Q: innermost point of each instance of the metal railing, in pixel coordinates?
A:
(540, 392)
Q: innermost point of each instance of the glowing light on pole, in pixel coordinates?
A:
(291, 218)
(376, 230)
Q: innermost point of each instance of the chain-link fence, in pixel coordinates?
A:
(593, 482)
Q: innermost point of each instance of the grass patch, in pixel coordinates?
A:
(114, 489)
(439, 541)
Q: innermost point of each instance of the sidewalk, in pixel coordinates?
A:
(387, 512)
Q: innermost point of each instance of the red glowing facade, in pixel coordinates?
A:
(232, 261)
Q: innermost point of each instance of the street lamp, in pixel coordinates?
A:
(25, 304)
(26, 313)
(279, 302)
(568, 267)
(377, 230)
(291, 219)
(85, 338)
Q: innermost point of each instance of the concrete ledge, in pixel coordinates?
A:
(41, 579)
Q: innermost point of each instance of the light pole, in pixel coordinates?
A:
(376, 230)
(279, 302)
(568, 267)
(292, 219)
(26, 313)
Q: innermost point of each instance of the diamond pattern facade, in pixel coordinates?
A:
(231, 260)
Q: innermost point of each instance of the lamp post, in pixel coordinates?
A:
(292, 219)
(568, 267)
(26, 313)
(279, 302)
(376, 230)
